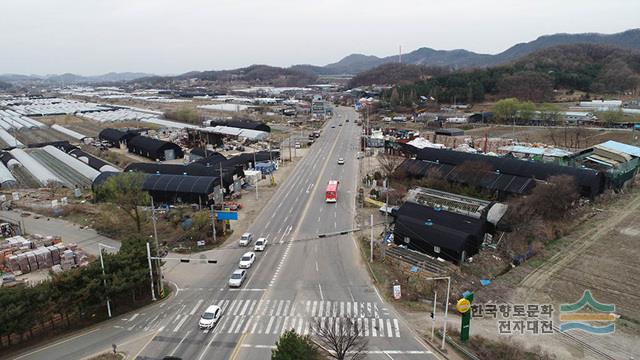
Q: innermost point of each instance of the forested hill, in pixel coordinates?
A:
(255, 74)
(585, 67)
(464, 59)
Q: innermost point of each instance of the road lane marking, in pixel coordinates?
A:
(133, 317)
(316, 266)
(184, 318)
(195, 308)
(321, 295)
(180, 343)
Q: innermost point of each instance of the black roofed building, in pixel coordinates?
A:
(450, 236)
(117, 137)
(173, 189)
(154, 149)
(589, 182)
(240, 124)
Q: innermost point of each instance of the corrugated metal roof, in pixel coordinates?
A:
(621, 147)
(551, 152)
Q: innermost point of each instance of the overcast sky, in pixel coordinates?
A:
(173, 36)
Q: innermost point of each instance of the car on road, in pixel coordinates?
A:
(340, 161)
(297, 145)
(246, 239)
(247, 260)
(333, 126)
(346, 120)
(340, 124)
(237, 278)
(260, 245)
(210, 317)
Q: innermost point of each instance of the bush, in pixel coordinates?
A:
(292, 346)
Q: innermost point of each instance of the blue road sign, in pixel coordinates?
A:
(227, 215)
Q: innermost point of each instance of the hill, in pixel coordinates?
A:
(356, 63)
(70, 79)
(395, 74)
(590, 68)
(255, 74)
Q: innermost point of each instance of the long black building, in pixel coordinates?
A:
(590, 182)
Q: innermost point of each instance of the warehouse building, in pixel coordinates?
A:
(589, 182)
(447, 235)
(239, 123)
(154, 149)
(173, 189)
(116, 137)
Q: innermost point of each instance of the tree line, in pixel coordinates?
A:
(76, 297)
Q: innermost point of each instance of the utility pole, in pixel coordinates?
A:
(213, 223)
(433, 318)
(155, 236)
(104, 277)
(255, 168)
(371, 241)
(153, 293)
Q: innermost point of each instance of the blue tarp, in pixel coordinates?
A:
(266, 167)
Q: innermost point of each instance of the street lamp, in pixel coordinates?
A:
(446, 306)
(104, 277)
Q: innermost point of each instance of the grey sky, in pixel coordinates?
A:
(163, 36)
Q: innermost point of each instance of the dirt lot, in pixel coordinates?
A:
(555, 136)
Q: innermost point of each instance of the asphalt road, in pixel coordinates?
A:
(298, 278)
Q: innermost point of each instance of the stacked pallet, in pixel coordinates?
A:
(21, 256)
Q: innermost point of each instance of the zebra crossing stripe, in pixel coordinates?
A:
(320, 309)
(244, 308)
(233, 324)
(251, 307)
(292, 312)
(313, 312)
(279, 308)
(246, 326)
(278, 323)
(255, 324)
(366, 327)
(341, 308)
(269, 325)
(286, 308)
(374, 328)
(397, 327)
(389, 329)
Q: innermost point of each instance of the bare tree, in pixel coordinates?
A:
(389, 163)
(342, 336)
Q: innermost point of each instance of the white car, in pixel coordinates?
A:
(260, 245)
(247, 260)
(340, 161)
(210, 318)
(237, 278)
(245, 239)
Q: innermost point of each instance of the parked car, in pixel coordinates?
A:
(247, 260)
(210, 317)
(340, 161)
(237, 278)
(246, 239)
(260, 245)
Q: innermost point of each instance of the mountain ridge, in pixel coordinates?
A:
(461, 58)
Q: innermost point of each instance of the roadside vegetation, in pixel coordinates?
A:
(76, 298)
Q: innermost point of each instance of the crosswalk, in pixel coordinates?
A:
(253, 316)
